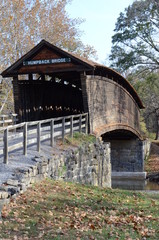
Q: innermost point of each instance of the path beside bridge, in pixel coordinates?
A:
(152, 163)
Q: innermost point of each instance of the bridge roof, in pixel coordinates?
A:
(77, 64)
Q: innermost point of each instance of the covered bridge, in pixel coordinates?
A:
(50, 82)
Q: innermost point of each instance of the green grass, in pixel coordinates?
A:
(79, 139)
(61, 210)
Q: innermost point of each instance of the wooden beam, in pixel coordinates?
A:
(6, 146)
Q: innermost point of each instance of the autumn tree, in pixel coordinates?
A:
(23, 23)
(135, 43)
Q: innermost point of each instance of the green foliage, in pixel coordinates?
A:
(135, 42)
(143, 127)
(147, 130)
(147, 86)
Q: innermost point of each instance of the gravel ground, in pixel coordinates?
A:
(17, 160)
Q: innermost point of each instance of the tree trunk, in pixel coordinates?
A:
(157, 128)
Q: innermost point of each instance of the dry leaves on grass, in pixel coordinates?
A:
(56, 208)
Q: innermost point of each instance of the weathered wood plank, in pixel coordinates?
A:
(80, 124)
(25, 139)
(13, 127)
(63, 129)
(32, 131)
(15, 146)
(47, 128)
(32, 141)
(46, 136)
(6, 146)
(38, 136)
(52, 133)
(1, 151)
(71, 127)
(14, 136)
(6, 121)
(86, 124)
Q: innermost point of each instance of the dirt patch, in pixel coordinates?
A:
(152, 164)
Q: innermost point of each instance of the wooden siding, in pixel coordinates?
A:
(110, 104)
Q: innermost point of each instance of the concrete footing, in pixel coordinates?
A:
(129, 175)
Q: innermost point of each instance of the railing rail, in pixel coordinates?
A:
(23, 135)
(8, 119)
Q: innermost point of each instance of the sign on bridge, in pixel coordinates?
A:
(47, 61)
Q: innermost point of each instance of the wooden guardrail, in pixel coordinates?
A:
(6, 120)
(23, 135)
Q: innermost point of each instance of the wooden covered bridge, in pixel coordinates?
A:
(49, 82)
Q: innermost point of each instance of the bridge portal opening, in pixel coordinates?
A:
(126, 151)
(49, 95)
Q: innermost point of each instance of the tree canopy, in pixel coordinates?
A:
(147, 87)
(135, 43)
(24, 23)
(135, 52)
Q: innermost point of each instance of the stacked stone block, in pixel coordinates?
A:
(127, 155)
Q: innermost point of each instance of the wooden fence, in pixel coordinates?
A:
(6, 120)
(23, 135)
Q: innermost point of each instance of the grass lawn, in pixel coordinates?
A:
(60, 210)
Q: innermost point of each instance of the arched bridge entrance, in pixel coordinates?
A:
(126, 150)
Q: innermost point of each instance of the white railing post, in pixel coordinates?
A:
(63, 129)
(80, 123)
(5, 146)
(71, 127)
(52, 133)
(25, 127)
(14, 118)
(86, 124)
(38, 136)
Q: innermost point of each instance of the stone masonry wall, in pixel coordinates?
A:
(89, 164)
(127, 155)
